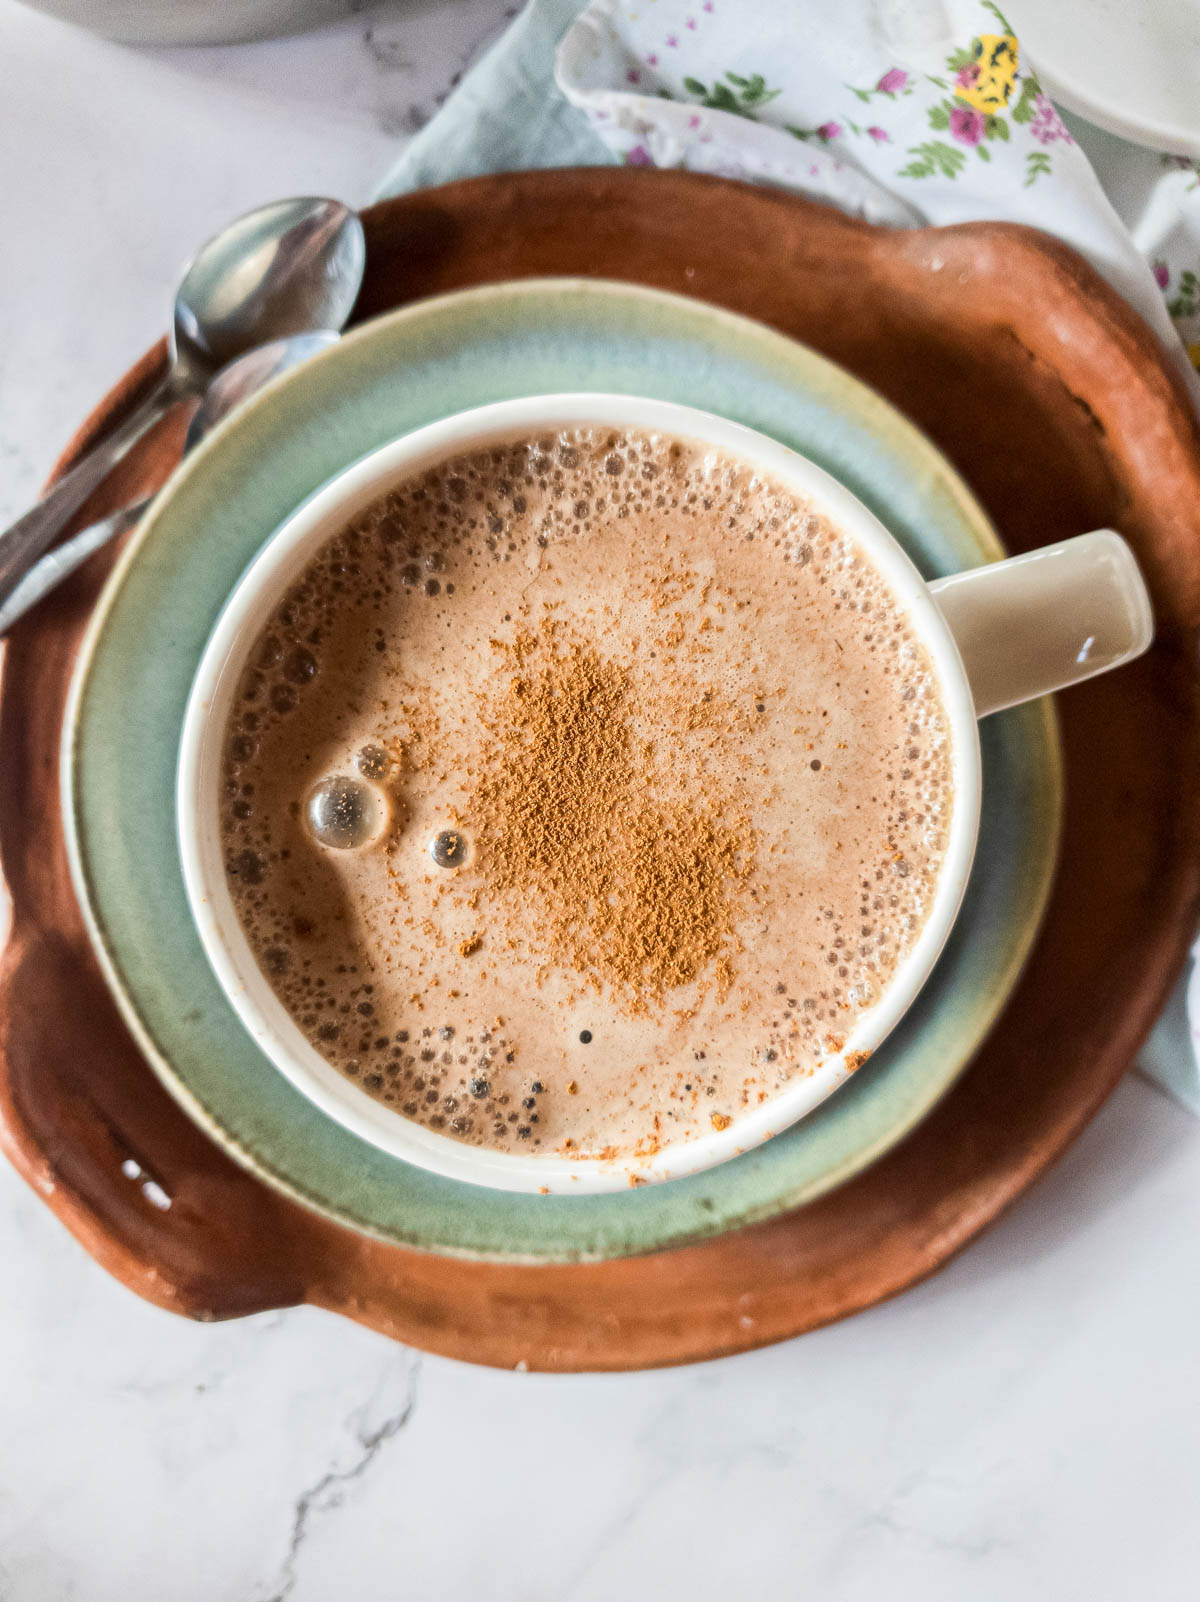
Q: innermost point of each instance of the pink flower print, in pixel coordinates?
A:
(708, 5)
(1047, 125)
(693, 122)
(633, 76)
(829, 130)
(1162, 274)
(967, 76)
(652, 61)
(639, 156)
(673, 41)
(879, 135)
(966, 125)
(691, 23)
(892, 81)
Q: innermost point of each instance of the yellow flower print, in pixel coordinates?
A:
(988, 79)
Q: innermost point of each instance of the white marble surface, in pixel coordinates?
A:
(1025, 1425)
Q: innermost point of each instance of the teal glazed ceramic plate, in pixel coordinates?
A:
(137, 664)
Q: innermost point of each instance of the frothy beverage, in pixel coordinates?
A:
(584, 793)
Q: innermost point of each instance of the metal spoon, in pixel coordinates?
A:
(287, 268)
(231, 388)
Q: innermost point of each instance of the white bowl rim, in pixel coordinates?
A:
(280, 560)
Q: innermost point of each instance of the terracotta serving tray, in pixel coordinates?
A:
(1061, 411)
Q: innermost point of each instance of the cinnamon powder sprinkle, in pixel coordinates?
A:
(639, 887)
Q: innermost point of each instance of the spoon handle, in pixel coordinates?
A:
(29, 536)
(49, 571)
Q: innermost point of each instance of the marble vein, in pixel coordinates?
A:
(396, 63)
(328, 1493)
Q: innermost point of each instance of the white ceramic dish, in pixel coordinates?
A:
(1082, 605)
(195, 22)
(1130, 66)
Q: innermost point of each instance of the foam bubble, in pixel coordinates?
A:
(449, 848)
(345, 814)
(373, 762)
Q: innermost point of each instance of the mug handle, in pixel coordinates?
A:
(1053, 617)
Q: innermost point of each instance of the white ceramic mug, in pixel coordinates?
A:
(996, 635)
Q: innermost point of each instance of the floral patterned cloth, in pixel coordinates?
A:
(902, 111)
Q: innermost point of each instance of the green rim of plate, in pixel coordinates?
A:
(411, 367)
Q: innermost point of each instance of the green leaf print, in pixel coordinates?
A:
(1030, 90)
(750, 92)
(1037, 165)
(1005, 25)
(1187, 302)
(939, 118)
(755, 91)
(933, 158)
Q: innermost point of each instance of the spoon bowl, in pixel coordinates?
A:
(288, 268)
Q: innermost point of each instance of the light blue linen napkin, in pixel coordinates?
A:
(510, 113)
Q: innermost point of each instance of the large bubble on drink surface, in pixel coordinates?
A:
(373, 762)
(344, 813)
(449, 848)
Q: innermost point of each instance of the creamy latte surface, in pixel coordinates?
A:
(583, 793)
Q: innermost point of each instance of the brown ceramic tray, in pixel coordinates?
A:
(1057, 405)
